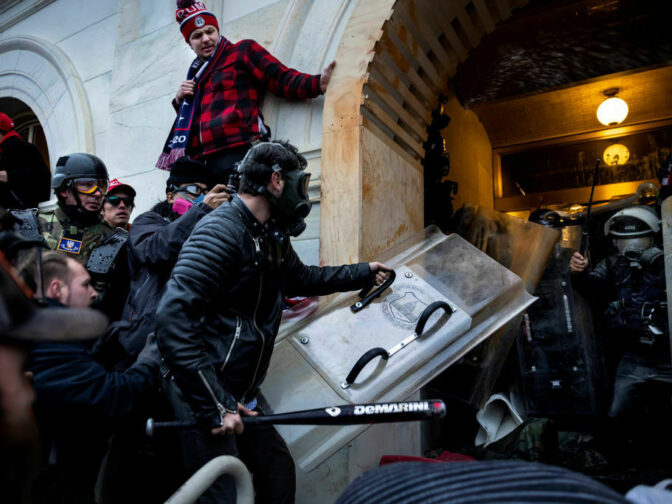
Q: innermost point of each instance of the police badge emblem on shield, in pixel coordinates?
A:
(199, 22)
(405, 304)
(69, 245)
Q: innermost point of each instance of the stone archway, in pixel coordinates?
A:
(395, 58)
(40, 75)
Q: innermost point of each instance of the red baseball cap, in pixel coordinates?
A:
(116, 186)
(6, 123)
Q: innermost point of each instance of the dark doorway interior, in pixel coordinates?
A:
(27, 124)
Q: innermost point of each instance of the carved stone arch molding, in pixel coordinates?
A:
(394, 60)
(307, 38)
(42, 76)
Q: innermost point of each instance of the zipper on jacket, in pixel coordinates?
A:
(239, 326)
(219, 405)
(254, 322)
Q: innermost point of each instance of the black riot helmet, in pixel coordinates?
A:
(78, 166)
(265, 158)
(83, 174)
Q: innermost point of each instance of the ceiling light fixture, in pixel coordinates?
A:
(613, 110)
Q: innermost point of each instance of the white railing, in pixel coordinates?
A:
(194, 487)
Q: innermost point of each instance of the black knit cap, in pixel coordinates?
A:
(186, 170)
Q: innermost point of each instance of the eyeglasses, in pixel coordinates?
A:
(191, 190)
(115, 201)
(90, 185)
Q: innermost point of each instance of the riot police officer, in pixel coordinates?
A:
(76, 228)
(632, 282)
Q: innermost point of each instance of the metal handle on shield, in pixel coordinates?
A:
(365, 300)
(363, 361)
(386, 354)
(427, 312)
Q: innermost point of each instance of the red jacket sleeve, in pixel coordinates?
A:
(278, 78)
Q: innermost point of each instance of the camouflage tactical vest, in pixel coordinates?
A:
(99, 247)
(96, 246)
(63, 235)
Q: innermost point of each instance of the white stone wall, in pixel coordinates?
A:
(100, 76)
(57, 58)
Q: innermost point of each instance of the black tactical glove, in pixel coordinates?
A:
(150, 354)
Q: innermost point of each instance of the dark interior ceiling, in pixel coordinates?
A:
(14, 108)
(553, 44)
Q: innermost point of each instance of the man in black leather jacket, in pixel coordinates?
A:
(217, 321)
(154, 242)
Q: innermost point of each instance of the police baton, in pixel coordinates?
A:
(585, 233)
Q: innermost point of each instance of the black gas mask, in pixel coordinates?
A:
(293, 205)
(290, 208)
(634, 248)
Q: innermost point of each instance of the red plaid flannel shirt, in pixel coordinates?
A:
(232, 94)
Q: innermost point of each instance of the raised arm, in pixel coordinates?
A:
(278, 78)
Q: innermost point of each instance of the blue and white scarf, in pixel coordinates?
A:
(178, 139)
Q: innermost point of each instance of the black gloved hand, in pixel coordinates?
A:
(150, 353)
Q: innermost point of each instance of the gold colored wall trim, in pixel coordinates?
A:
(574, 195)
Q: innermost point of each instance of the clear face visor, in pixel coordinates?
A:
(632, 247)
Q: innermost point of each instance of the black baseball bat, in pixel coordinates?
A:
(346, 414)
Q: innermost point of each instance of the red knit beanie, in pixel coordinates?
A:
(193, 15)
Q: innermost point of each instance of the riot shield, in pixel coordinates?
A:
(666, 217)
(314, 356)
(520, 246)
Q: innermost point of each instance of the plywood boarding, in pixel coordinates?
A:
(395, 58)
(341, 204)
(416, 57)
(392, 195)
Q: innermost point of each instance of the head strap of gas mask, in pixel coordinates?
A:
(291, 208)
(257, 188)
(276, 168)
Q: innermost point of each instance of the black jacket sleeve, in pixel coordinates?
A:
(593, 284)
(69, 381)
(305, 280)
(27, 175)
(155, 243)
(203, 269)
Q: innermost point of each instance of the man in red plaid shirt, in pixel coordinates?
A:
(225, 119)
